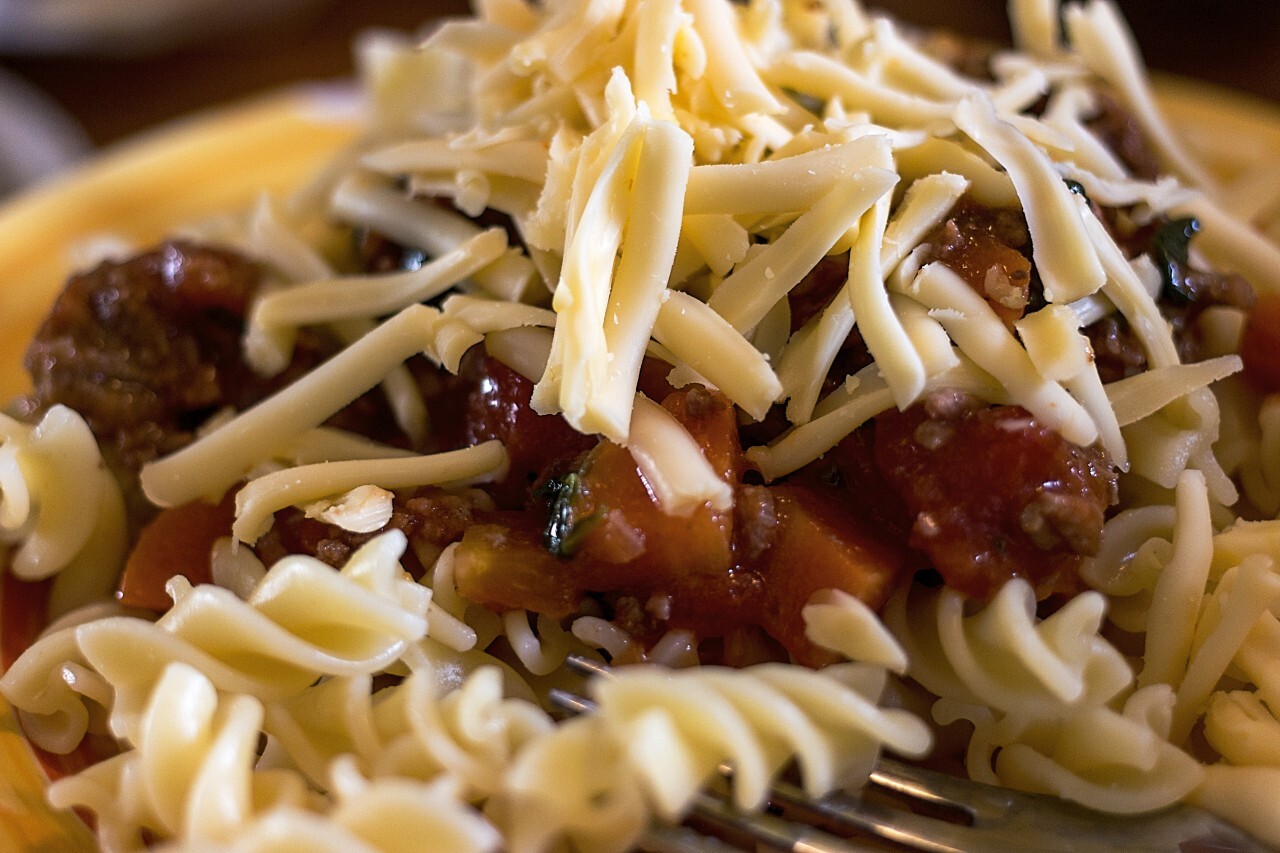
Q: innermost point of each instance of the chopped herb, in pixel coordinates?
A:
(1076, 187)
(564, 531)
(1171, 245)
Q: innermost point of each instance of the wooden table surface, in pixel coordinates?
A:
(1234, 43)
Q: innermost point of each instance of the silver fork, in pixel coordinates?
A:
(971, 817)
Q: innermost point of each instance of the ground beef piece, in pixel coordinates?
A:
(431, 518)
(1117, 352)
(989, 248)
(139, 347)
(994, 493)
(146, 349)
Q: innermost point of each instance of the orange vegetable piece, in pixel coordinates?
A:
(175, 542)
(504, 566)
(820, 544)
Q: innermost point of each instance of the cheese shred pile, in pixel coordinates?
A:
(675, 170)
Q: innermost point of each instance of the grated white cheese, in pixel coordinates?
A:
(804, 443)
(640, 281)
(787, 184)
(263, 496)
(672, 462)
(823, 77)
(701, 339)
(1035, 27)
(752, 289)
(432, 229)
(351, 297)
(1068, 264)
(1143, 394)
(1102, 41)
(723, 149)
(207, 467)
(980, 334)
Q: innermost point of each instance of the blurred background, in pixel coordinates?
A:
(76, 75)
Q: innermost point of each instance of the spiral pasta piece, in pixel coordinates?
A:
(1002, 656)
(190, 774)
(679, 726)
(57, 497)
(302, 621)
(417, 729)
(572, 786)
(1115, 761)
(371, 816)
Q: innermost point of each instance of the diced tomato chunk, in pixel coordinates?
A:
(995, 494)
(1260, 346)
(818, 543)
(176, 542)
(628, 539)
(503, 565)
(498, 407)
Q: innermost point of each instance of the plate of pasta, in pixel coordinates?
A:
(845, 389)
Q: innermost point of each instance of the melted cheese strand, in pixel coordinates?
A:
(213, 463)
(980, 334)
(1066, 260)
(263, 496)
(672, 461)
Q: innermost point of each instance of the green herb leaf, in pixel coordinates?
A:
(564, 532)
(1171, 245)
(1076, 187)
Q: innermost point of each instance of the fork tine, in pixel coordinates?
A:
(854, 814)
(765, 829)
(977, 801)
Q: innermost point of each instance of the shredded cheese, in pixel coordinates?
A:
(672, 462)
(1099, 37)
(751, 290)
(701, 339)
(264, 496)
(1067, 262)
(980, 334)
(213, 463)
